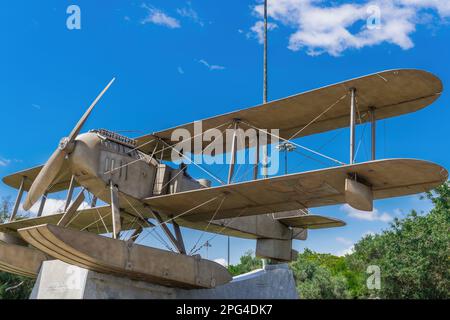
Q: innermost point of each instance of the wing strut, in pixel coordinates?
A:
(233, 152)
(18, 199)
(352, 125)
(42, 205)
(373, 123)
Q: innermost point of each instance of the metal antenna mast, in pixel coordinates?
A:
(264, 147)
(265, 54)
(228, 257)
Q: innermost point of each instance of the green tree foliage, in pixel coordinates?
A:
(320, 276)
(413, 255)
(248, 262)
(12, 286)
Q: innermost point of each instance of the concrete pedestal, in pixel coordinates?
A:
(59, 280)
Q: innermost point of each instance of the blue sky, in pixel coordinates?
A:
(178, 61)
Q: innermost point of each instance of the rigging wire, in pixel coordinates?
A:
(162, 150)
(220, 231)
(207, 226)
(338, 133)
(161, 239)
(195, 164)
(96, 209)
(360, 140)
(296, 144)
(183, 213)
(320, 115)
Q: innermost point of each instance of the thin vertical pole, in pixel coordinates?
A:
(256, 167)
(233, 153)
(115, 211)
(228, 260)
(265, 160)
(265, 88)
(373, 123)
(42, 205)
(285, 161)
(94, 201)
(18, 199)
(352, 125)
(265, 53)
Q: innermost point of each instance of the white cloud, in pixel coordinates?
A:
(350, 246)
(190, 13)
(221, 261)
(441, 6)
(211, 66)
(368, 233)
(158, 17)
(36, 106)
(346, 251)
(180, 70)
(52, 206)
(344, 241)
(4, 162)
(321, 27)
(373, 215)
(257, 30)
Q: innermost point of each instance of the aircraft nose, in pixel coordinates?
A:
(84, 158)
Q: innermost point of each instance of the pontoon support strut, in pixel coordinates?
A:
(115, 211)
(176, 241)
(179, 236)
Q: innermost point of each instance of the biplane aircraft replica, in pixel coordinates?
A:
(141, 191)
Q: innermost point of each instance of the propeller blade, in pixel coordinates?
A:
(53, 166)
(83, 119)
(44, 179)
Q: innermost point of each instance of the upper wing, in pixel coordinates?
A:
(388, 178)
(14, 180)
(392, 93)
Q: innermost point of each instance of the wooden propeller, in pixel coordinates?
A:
(53, 165)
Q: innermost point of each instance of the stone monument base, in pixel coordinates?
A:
(59, 280)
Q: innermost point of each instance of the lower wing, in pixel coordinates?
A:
(387, 178)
